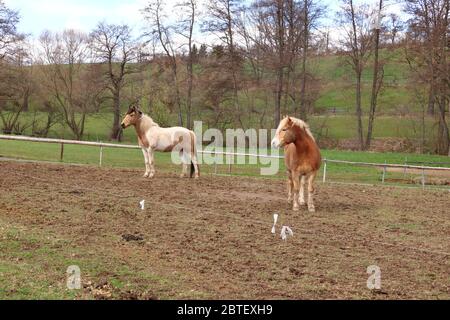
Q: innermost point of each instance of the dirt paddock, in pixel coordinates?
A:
(211, 238)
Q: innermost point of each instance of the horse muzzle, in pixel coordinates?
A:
(123, 125)
(275, 143)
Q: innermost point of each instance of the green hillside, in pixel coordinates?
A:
(333, 119)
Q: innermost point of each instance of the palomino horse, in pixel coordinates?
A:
(152, 138)
(302, 158)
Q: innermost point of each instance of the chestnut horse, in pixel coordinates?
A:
(302, 158)
(152, 137)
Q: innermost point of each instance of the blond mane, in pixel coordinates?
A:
(302, 124)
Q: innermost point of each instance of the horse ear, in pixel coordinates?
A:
(290, 123)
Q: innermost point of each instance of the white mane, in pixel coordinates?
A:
(302, 124)
(150, 120)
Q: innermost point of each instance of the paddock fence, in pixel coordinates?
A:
(384, 168)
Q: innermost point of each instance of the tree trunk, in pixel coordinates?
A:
(280, 78)
(431, 99)
(278, 97)
(189, 96)
(116, 129)
(359, 110)
(190, 76)
(303, 106)
(190, 68)
(177, 95)
(443, 131)
(26, 100)
(375, 86)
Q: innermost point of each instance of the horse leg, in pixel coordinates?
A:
(193, 156)
(147, 163)
(184, 169)
(296, 180)
(302, 191)
(151, 160)
(290, 186)
(195, 163)
(311, 179)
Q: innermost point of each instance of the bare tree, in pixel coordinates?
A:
(357, 43)
(9, 19)
(378, 73)
(310, 13)
(268, 18)
(16, 85)
(286, 27)
(395, 26)
(221, 21)
(186, 29)
(73, 85)
(15, 76)
(114, 46)
(154, 15)
(427, 54)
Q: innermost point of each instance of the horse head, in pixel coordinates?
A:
(284, 134)
(132, 116)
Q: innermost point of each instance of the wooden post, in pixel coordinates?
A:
(324, 179)
(404, 171)
(61, 156)
(101, 156)
(215, 162)
(229, 163)
(384, 173)
(423, 178)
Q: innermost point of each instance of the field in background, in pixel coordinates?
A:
(125, 158)
(327, 126)
(334, 109)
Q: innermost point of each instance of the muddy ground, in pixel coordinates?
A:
(211, 238)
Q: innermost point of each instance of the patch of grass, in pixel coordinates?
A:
(342, 126)
(24, 254)
(126, 158)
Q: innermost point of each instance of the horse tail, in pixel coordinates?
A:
(193, 154)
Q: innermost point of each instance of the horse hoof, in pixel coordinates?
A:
(295, 208)
(302, 204)
(311, 209)
(146, 175)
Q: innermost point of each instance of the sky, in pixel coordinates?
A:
(57, 15)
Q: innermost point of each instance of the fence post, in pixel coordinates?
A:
(404, 171)
(62, 152)
(384, 173)
(101, 156)
(324, 179)
(215, 162)
(423, 178)
(229, 163)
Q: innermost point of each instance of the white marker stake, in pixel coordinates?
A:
(275, 219)
(142, 204)
(285, 231)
